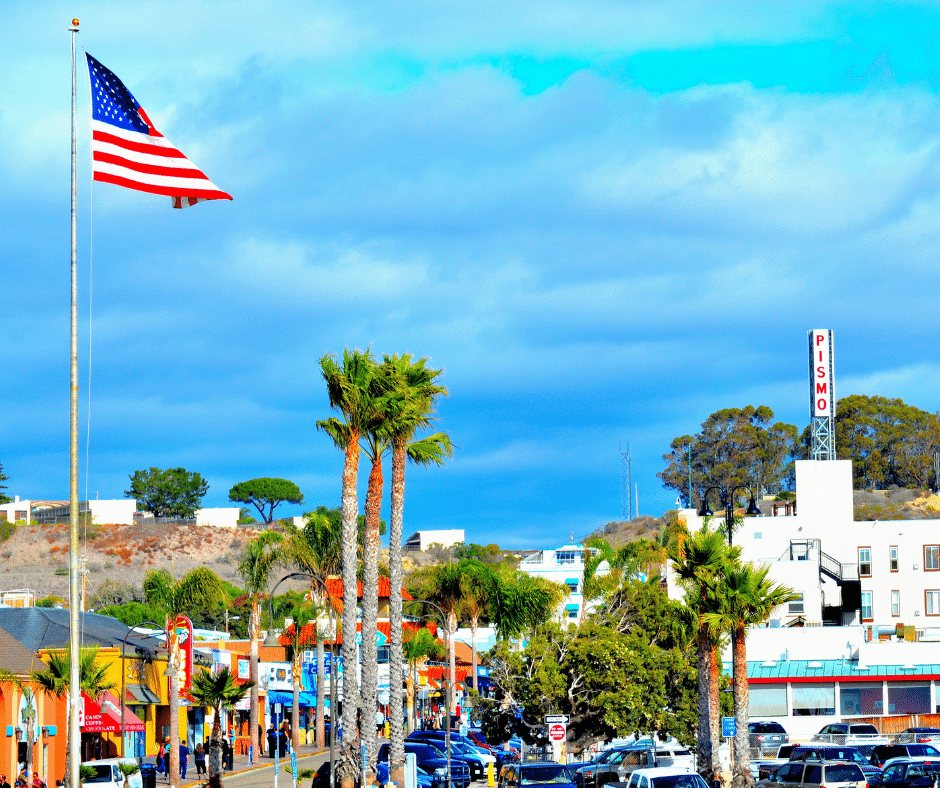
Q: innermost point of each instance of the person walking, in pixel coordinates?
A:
(226, 754)
(199, 758)
(184, 759)
(161, 755)
(166, 759)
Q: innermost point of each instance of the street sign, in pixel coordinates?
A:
(557, 731)
(561, 719)
(728, 727)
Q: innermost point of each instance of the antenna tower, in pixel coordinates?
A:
(626, 484)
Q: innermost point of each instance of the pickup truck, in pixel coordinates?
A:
(762, 768)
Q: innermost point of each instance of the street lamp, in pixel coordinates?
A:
(124, 676)
(272, 641)
(446, 677)
(727, 500)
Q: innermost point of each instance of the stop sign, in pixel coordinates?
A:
(556, 732)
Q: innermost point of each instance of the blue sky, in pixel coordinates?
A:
(604, 220)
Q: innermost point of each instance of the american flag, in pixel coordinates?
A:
(128, 151)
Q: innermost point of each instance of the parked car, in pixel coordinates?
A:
(433, 762)
(850, 733)
(605, 769)
(828, 752)
(675, 757)
(107, 774)
(910, 773)
(762, 768)
(813, 774)
(321, 779)
(885, 752)
(517, 775)
(919, 735)
(666, 777)
(766, 734)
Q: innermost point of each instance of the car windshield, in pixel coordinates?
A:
(102, 774)
(536, 775)
(679, 781)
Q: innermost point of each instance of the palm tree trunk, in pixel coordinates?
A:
(742, 751)
(396, 750)
(215, 746)
(295, 709)
(370, 610)
(704, 738)
(714, 708)
(321, 690)
(29, 752)
(254, 630)
(348, 767)
(474, 622)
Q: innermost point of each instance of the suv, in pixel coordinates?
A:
(678, 757)
(830, 752)
(910, 773)
(765, 735)
(919, 735)
(433, 761)
(850, 733)
(884, 752)
(606, 769)
(813, 774)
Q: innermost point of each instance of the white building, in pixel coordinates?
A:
(863, 641)
(564, 565)
(16, 511)
(422, 540)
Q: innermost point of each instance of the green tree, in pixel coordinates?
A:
(748, 598)
(418, 646)
(735, 446)
(3, 477)
(518, 602)
(266, 495)
(349, 387)
(174, 492)
(261, 556)
(888, 441)
(217, 691)
(409, 407)
(299, 635)
(478, 582)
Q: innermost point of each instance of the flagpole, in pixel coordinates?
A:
(74, 737)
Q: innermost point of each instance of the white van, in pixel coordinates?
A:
(108, 776)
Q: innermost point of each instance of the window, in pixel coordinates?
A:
(932, 603)
(931, 557)
(866, 606)
(796, 606)
(812, 700)
(908, 698)
(861, 699)
(893, 558)
(769, 701)
(864, 561)
(895, 604)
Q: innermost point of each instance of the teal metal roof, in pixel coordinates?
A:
(807, 670)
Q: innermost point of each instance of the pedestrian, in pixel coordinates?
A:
(4, 782)
(161, 755)
(199, 758)
(226, 754)
(166, 758)
(184, 759)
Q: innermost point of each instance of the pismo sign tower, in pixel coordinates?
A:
(822, 398)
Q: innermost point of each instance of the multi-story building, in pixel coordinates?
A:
(564, 565)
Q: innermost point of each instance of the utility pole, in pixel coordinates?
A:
(626, 483)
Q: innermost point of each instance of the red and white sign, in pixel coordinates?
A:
(822, 394)
(557, 732)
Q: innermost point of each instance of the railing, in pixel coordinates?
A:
(799, 550)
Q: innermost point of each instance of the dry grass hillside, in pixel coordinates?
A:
(37, 556)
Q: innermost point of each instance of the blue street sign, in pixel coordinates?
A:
(728, 727)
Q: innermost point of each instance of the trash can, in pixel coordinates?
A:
(148, 775)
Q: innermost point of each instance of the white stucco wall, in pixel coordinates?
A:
(223, 517)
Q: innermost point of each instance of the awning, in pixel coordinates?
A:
(571, 581)
(141, 694)
(287, 698)
(106, 717)
(571, 607)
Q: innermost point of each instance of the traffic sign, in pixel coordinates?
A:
(728, 727)
(557, 731)
(556, 718)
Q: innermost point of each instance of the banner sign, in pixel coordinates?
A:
(183, 629)
(821, 379)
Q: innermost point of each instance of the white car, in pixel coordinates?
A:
(107, 774)
(666, 777)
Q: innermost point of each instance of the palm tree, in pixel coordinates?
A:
(299, 635)
(28, 715)
(408, 409)
(477, 582)
(55, 678)
(127, 769)
(699, 561)
(749, 599)
(322, 559)
(200, 589)
(519, 602)
(420, 646)
(349, 388)
(217, 691)
(261, 555)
